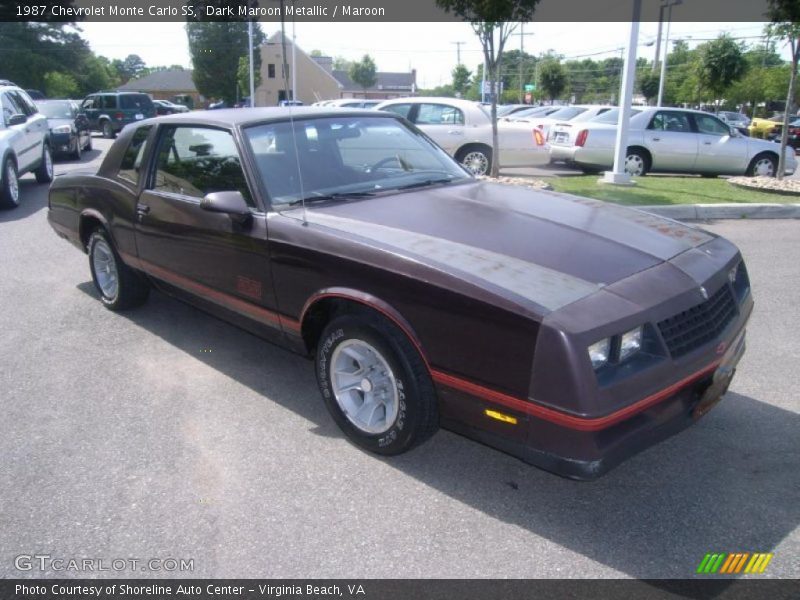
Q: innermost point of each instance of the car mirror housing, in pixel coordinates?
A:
(230, 202)
(17, 119)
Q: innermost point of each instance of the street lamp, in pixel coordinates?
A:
(668, 4)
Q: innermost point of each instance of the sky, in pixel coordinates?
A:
(429, 48)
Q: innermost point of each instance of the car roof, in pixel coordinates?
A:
(433, 99)
(232, 117)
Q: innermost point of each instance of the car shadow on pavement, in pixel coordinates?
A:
(730, 483)
(32, 199)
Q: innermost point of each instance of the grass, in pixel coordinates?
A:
(654, 189)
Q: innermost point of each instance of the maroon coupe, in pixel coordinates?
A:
(566, 331)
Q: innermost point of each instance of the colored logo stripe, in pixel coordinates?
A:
(734, 562)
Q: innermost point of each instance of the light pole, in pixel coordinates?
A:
(252, 74)
(661, 80)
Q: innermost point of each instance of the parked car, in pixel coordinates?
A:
(165, 107)
(24, 143)
(69, 127)
(566, 331)
(562, 135)
(562, 115)
(290, 103)
(676, 141)
(504, 110)
(761, 128)
(734, 119)
(793, 139)
(36, 95)
(464, 129)
(348, 103)
(109, 112)
(530, 112)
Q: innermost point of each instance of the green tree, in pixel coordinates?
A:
(215, 48)
(340, 63)
(364, 73)
(243, 76)
(493, 22)
(133, 67)
(552, 79)
(461, 80)
(648, 84)
(721, 63)
(60, 85)
(785, 17)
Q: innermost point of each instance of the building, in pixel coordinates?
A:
(317, 80)
(169, 84)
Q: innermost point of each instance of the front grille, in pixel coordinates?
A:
(700, 324)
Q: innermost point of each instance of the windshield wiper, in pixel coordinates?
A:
(319, 197)
(425, 183)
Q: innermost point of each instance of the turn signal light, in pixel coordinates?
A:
(538, 137)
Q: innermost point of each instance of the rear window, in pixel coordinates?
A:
(135, 101)
(565, 114)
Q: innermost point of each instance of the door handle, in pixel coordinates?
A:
(706, 143)
(455, 131)
(142, 209)
(656, 139)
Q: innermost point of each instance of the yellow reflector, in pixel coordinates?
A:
(493, 414)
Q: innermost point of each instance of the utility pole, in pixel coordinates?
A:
(458, 50)
(294, 57)
(252, 74)
(661, 80)
(658, 37)
(521, 35)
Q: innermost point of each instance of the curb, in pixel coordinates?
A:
(701, 212)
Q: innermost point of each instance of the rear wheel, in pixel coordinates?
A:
(76, 154)
(9, 193)
(89, 142)
(120, 287)
(108, 130)
(763, 165)
(476, 159)
(375, 384)
(636, 163)
(44, 173)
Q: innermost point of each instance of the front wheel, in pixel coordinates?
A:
(76, 154)
(120, 286)
(477, 160)
(375, 384)
(9, 193)
(44, 173)
(108, 130)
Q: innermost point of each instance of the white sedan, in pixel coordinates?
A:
(464, 130)
(670, 140)
(572, 113)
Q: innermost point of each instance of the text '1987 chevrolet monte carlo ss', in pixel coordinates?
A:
(565, 331)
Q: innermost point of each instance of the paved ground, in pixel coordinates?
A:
(165, 433)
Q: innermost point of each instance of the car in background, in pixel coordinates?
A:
(562, 115)
(69, 127)
(504, 110)
(675, 140)
(562, 135)
(24, 143)
(793, 138)
(735, 119)
(762, 128)
(36, 95)
(569, 332)
(290, 103)
(109, 112)
(348, 103)
(165, 107)
(530, 112)
(464, 130)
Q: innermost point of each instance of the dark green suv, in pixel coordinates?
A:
(109, 112)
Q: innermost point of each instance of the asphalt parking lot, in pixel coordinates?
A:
(165, 433)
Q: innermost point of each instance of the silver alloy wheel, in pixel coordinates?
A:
(105, 269)
(764, 168)
(48, 162)
(634, 164)
(13, 182)
(476, 162)
(364, 386)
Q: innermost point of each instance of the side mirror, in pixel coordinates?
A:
(17, 119)
(231, 203)
(735, 132)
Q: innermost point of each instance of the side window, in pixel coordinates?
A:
(671, 121)
(439, 114)
(25, 103)
(130, 168)
(271, 71)
(88, 103)
(711, 126)
(109, 102)
(10, 106)
(399, 109)
(195, 161)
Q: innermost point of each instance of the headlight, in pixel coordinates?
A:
(630, 343)
(599, 352)
(62, 129)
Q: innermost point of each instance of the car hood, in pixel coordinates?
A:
(51, 123)
(528, 246)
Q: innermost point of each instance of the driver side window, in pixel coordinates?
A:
(711, 126)
(671, 121)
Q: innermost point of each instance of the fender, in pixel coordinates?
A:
(372, 302)
(95, 214)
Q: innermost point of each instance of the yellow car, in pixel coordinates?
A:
(761, 128)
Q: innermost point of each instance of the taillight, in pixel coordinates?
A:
(119, 116)
(538, 137)
(581, 139)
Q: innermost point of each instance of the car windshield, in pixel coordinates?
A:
(55, 110)
(611, 116)
(335, 158)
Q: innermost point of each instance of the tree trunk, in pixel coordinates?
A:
(786, 117)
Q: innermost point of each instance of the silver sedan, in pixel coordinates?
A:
(672, 140)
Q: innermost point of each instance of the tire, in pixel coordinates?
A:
(405, 412)
(44, 172)
(107, 129)
(119, 286)
(76, 154)
(9, 194)
(88, 146)
(590, 171)
(476, 159)
(637, 163)
(761, 166)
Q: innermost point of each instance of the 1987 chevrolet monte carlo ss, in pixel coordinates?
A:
(564, 331)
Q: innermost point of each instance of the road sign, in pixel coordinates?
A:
(530, 87)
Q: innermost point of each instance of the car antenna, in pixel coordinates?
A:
(285, 69)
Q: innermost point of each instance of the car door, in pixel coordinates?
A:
(207, 254)
(91, 108)
(443, 123)
(24, 141)
(718, 151)
(672, 141)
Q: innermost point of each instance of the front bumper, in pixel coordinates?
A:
(62, 142)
